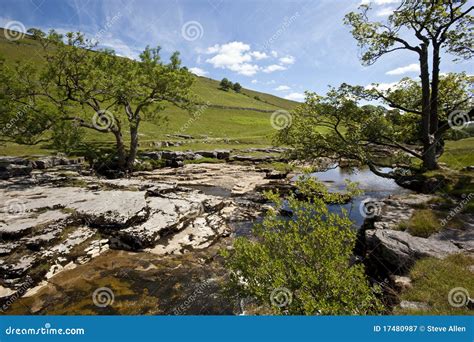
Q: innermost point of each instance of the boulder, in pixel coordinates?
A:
(14, 167)
(409, 305)
(396, 251)
(274, 174)
(16, 226)
(207, 154)
(154, 155)
(167, 214)
(112, 209)
(43, 163)
(16, 267)
(222, 154)
(5, 161)
(14, 170)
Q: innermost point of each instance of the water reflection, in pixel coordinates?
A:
(373, 186)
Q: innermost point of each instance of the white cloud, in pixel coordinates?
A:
(381, 86)
(287, 60)
(295, 96)
(235, 56)
(282, 88)
(245, 69)
(240, 58)
(384, 12)
(229, 54)
(403, 70)
(259, 55)
(273, 67)
(379, 2)
(198, 71)
(254, 81)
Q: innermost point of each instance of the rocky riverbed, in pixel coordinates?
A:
(73, 243)
(156, 235)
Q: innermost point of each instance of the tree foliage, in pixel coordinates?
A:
(225, 84)
(339, 126)
(308, 255)
(425, 28)
(237, 87)
(91, 89)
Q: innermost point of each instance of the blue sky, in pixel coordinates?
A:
(281, 47)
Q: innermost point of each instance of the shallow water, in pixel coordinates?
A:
(374, 187)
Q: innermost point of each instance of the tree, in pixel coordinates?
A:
(302, 265)
(36, 33)
(96, 90)
(237, 87)
(434, 26)
(44, 39)
(225, 84)
(339, 127)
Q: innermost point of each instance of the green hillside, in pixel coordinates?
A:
(238, 119)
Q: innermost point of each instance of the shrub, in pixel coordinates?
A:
(306, 258)
(237, 87)
(225, 84)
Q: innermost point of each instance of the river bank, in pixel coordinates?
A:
(153, 239)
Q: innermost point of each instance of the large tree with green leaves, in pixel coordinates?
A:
(90, 89)
(340, 126)
(426, 29)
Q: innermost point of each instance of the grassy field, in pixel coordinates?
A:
(433, 279)
(240, 125)
(459, 154)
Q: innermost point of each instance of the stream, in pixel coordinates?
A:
(374, 187)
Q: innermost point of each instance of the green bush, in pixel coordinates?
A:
(305, 258)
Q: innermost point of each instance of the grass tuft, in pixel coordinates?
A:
(422, 223)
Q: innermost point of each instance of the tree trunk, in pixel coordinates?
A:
(429, 144)
(434, 119)
(121, 154)
(133, 145)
